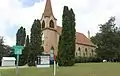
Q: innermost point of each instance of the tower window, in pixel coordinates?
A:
(51, 24)
(43, 24)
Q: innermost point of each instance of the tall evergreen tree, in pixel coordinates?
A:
(73, 36)
(67, 39)
(20, 40)
(20, 36)
(35, 42)
(25, 52)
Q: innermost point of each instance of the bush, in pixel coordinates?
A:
(87, 59)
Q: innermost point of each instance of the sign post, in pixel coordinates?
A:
(17, 51)
(54, 65)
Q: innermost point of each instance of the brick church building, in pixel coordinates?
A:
(51, 32)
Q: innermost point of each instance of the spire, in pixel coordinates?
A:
(48, 9)
(88, 34)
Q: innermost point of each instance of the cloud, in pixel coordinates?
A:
(13, 15)
(29, 3)
(89, 13)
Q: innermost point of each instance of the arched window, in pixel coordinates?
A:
(43, 24)
(51, 24)
(79, 50)
(86, 51)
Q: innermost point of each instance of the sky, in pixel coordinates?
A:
(88, 13)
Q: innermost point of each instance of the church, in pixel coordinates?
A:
(51, 32)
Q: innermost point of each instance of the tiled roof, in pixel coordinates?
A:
(80, 38)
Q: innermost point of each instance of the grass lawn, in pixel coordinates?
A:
(84, 69)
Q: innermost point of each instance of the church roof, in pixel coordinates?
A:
(48, 9)
(80, 38)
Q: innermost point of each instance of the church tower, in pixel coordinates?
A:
(49, 26)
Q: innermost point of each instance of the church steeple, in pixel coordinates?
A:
(48, 9)
(48, 20)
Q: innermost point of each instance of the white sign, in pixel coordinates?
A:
(45, 60)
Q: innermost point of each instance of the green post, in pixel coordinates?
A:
(17, 51)
(17, 74)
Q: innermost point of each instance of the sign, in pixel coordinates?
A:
(18, 49)
(43, 61)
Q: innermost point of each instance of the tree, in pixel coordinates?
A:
(20, 40)
(25, 52)
(107, 40)
(35, 42)
(66, 47)
(20, 36)
(73, 37)
(5, 50)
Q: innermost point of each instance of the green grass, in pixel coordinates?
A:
(84, 69)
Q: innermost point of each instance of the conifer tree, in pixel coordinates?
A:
(35, 42)
(66, 45)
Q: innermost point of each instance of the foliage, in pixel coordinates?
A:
(25, 52)
(5, 50)
(80, 59)
(66, 45)
(20, 36)
(107, 41)
(35, 42)
(20, 40)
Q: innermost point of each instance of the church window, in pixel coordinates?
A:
(86, 51)
(51, 24)
(43, 24)
(79, 50)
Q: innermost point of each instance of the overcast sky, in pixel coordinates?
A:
(89, 13)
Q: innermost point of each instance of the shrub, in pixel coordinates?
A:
(87, 59)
